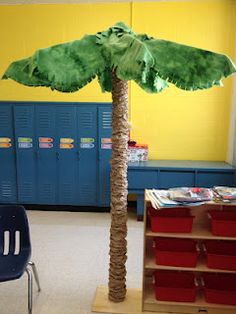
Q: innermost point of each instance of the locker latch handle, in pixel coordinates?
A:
(57, 155)
(78, 155)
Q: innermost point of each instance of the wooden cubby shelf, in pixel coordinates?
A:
(200, 232)
(200, 267)
(199, 306)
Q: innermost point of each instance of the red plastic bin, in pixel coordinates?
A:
(220, 288)
(220, 254)
(175, 286)
(223, 222)
(177, 219)
(176, 252)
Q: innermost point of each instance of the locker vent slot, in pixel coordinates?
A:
(67, 189)
(6, 189)
(4, 119)
(86, 192)
(23, 119)
(44, 120)
(26, 190)
(46, 191)
(86, 120)
(66, 120)
(106, 120)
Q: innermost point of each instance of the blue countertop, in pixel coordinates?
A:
(181, 164)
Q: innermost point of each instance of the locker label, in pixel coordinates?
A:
(86, 145)
(66, 146)
(45, 140)
(64, 140)
(87, 140)
(106, 146)
(25, 145)
(25, 140)
(5, 140)
(45, 145)
(105, 140)
(5, 145)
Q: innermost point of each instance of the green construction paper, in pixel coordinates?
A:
(151, 63)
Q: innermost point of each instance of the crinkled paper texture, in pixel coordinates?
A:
(151, 63)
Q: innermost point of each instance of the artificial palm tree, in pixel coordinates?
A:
(116, 56)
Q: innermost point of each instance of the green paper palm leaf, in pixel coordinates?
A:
(151, 63)
(66, 67)
(187, 67)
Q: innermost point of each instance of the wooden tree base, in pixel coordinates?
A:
(131, 305)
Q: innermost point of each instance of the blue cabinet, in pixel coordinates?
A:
(210, 178)
(8, 187)
(176, 178)
(142, 179)
(55, 156)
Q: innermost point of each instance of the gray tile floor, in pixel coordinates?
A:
(70, 250)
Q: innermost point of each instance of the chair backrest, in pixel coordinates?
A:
(14, 232)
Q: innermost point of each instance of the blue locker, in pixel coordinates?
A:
(25, 153)
(8, 187)
(55, 153)
(104, 151)
(66, 156)
(46, 150)
(87, 155)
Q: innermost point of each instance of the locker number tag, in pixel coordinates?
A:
(87, 140)
(5, 140)
(86, 145)
(25, 140)
(45, 140)
(64, 140)
(25, 145)
(5, 145)
(66, 146)
(106, 146)
(105, 140)
(45, 145)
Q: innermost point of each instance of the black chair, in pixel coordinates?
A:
(15, 248)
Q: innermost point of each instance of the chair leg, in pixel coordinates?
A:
(30, 290)
(32, 264)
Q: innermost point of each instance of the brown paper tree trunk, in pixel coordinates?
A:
(119, 186)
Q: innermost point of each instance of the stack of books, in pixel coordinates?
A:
(183, 196)
(225, 193)
(160, 198)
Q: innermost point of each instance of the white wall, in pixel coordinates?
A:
(232, 129)
(231, 156)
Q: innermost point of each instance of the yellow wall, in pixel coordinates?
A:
(176, 124)
(25, 28)
(179, 124)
